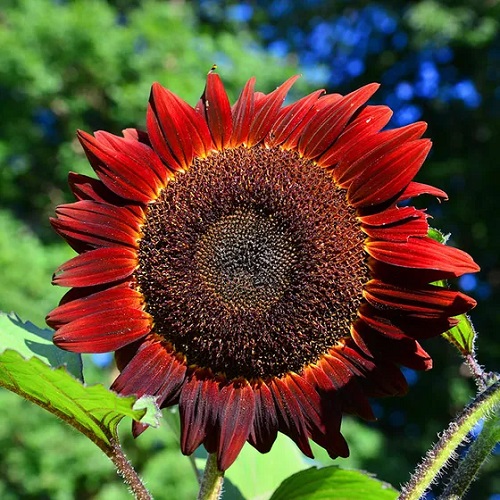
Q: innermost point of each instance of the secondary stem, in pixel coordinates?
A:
(478, 452)
(211, 483)
(437, 458)
(128, 473)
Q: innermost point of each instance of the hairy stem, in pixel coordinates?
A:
(211, 483)
(438, 457)
(468, 468)
(128, 473)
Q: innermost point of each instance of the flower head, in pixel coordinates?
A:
(254, 265)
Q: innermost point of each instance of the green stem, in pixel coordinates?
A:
(128, 473)
(437, 458)
(469, 467)
(192, 461)
(211, 483)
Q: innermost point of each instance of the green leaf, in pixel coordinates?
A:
(29, 340)
(437, 235)
(95, 411)
(332, 482)
(462, 336)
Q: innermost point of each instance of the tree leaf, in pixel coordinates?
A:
(332, 482)
(29, 340)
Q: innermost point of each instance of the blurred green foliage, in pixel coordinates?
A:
(27, 266)
(89, 64)
(84, 64)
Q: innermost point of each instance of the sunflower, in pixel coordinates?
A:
(255, 264)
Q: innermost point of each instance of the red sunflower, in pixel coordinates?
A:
(252, 263)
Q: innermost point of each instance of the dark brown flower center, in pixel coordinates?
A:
(247, 260)
(252, 263)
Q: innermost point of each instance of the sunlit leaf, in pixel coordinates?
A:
(95, 411)
(462, 336)
(29, 340)
(35, 369)
(334, 483)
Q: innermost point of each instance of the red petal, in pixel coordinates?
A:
(106, 300)
(290, 416)
(323, 424)
(177, 132)
(400, 326)
(87, 188)
(426, 302)
(380, 378)
(96, 267)
(325, 102)
(396, 224)
(135, 134)
(317, 377)
(97, 224)
(140, 154)
(123, 174)
(265, 424)
(391, 215)
(217, 111)
(323, 130)
(153, 371)
(168, 393)
(403, 351)
(416, 189)
(353, 399)
(371, 149)
(104, 331)
(236, 414)
(309, 401)
(124, 355)
(386, 380)
(411, 277)
(267, 112)
(331, 409)
(290, 118)
(198, 407)
(243, 111)
(384, 177)
(370, 120)
(423, 253)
